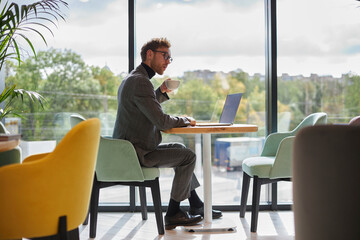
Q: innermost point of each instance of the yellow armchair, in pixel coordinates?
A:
(36, 193)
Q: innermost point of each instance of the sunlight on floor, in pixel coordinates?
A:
(271, 225)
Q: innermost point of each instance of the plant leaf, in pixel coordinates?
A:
(15, 20)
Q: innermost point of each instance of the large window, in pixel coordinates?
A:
(318, 55)
(218, 48)
(79, 71)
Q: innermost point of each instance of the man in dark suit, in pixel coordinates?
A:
(140, 119)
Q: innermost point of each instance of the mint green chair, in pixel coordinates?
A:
(11, 156)
(273, 165)
(117, 164)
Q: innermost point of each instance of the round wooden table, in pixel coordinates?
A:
(234, 128)
(8, 145)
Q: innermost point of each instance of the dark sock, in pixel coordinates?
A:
(194, 200)
(173, 208)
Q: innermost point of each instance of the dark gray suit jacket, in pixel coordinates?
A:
(140, 117)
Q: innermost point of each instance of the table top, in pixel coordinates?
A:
(8, 145)
(235, 128)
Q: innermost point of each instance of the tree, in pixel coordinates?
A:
(193, 99)
(352, 100)
(16, 22)
(109, 84)
(66, 82)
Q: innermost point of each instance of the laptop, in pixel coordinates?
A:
(229, 111)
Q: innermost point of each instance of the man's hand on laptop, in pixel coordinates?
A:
(191, 120)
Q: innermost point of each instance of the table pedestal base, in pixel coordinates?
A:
(220, 225)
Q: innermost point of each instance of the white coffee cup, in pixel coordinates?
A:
(172, 84)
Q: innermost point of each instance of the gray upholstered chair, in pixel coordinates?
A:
(355, 121)
(326, 195)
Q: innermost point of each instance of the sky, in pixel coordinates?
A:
(314, 36)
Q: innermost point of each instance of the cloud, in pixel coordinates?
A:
(95, 33)
(323, 29)
(215, 34)
(205, 30)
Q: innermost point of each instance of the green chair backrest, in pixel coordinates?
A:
(283, 160)
(272, 141)
(75, 119)
(282, 164)
(117, 159)
(311, 120)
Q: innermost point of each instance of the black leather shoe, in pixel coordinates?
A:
(200, 211)
(181, 218)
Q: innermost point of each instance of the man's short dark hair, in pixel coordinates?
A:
(154, 44)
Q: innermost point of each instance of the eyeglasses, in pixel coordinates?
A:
(165, 55)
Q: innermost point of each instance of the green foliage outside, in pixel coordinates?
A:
(17, 23)
(71, 86)
(352, 99)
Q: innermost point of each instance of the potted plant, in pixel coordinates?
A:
(15, 24)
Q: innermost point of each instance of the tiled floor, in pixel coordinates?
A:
(271, 225)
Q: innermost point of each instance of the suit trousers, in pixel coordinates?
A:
(182, 160)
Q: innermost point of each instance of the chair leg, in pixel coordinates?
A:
(94, 204)
(132, 198)
(63, 228)
(255, 203)
(155, 192)
(244, 194)
(142, 192)
(274, 196)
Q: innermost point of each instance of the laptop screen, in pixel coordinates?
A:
(230, 108)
